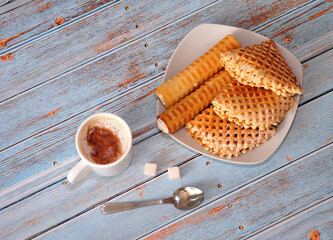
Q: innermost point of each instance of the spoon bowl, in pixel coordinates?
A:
(187, 198)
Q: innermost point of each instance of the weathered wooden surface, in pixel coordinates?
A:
(301, 226)
(215, 218)
(97, 82)
(45, 148)
(49, 146)
(260, 204)
(87, 195)
(54, 76)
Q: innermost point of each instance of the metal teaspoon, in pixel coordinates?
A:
(183, 198)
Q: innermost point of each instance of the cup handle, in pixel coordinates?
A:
(78, 172)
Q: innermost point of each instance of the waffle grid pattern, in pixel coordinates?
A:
(251, 106)
(261, 65)
(223, 137)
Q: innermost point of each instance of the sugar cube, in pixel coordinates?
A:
(150, 169)
(174, 173)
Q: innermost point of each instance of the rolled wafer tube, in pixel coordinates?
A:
(195, 74)
(183, 111)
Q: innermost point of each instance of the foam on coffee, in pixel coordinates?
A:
(103, 122)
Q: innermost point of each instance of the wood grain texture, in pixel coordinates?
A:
(44, 159)
(285, 192)
(100, 80)
(316, 76)
(55, 54)
(65, 84)
(32, 19)
(309, 119)
(8, 5)
(281, 191)
(322, 44)
(37, 17)
(38, 154)
(50, 146)
(301, 226)
(288, 30)
(90, 36)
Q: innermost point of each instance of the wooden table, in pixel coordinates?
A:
(62, 61)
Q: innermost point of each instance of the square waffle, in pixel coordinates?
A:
(261, 65)
(225, 138)
(252, 107)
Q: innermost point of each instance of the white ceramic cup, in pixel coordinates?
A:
(84, 167)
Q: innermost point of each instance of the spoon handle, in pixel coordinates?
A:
(109, 208)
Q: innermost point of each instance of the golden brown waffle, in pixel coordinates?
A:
(179, 114)
(251, 106)
(195, 74)
(262, 65)
(225, 138)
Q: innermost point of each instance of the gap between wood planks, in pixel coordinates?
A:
(137, 87)
(150, 134)
(36, 37)
(115, 97)
(100, 56)
(323, 93)
(292, 217)
(12, 5)
(238, 189)
(242, 187)
(114, 50)
(121, 46)
(283, 15)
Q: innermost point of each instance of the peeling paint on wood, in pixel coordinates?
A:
(140, 191)
(315, 235)
(301, 226)
(86, 195)
(34, 170)
(7, 57)
(170, 230)
(42, 8)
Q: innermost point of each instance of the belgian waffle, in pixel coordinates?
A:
(251, 106)
(261, 65)
(225, 138)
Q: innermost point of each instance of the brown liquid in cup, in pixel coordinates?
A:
(105, 145)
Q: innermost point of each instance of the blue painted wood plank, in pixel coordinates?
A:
(8, 5)
(322, 44)
(54, 62)
(19, 22)
(288, 34)
(69, 200)
(60, 140)
(100, 80)
(77, 42)
(317, 76)
(317, 218)
(260, 204)
(39, 16)
(271, 197)
(44, 160)
(37, 155)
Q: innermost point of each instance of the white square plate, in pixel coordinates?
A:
(196, 43)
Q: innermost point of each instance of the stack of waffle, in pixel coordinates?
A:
(243, 116)
(250, 93)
